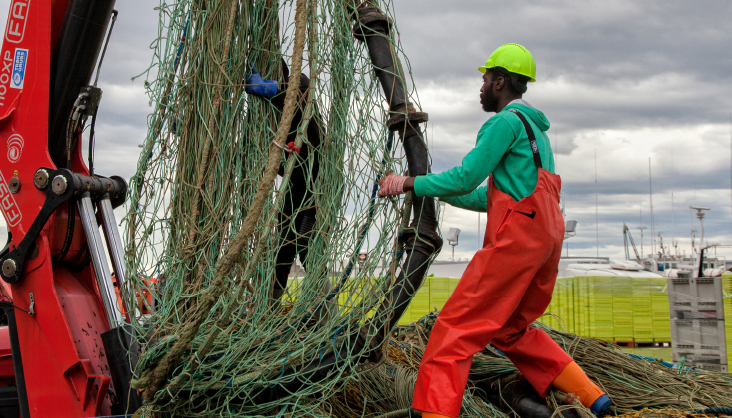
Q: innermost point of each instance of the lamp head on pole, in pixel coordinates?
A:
(452, 236)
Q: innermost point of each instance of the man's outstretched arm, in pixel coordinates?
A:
(476, 201)
(494, 139)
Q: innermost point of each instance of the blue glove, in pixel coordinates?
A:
(257, 86)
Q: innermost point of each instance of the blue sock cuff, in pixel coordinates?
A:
(601, 405)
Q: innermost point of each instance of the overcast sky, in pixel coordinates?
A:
(623, 80)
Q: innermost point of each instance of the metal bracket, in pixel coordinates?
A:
(14, 260)
(59, 186)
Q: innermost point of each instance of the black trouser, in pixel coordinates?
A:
(299, 203)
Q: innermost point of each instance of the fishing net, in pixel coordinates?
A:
(211, 226)
(263, 267)
(633, 382)
(639, 386)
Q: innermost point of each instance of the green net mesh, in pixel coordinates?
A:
(217, 213)
(199, 172)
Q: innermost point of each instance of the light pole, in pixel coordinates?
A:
(700, 212)
(641, 234)
(442, 212)
(452, 239)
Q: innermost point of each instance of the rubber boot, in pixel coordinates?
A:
(431, 415)
(574, 380)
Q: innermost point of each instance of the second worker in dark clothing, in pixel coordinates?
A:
(297, 218)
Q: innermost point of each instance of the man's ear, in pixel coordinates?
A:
(499, 82)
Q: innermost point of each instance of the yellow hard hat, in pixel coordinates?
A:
(514, 58)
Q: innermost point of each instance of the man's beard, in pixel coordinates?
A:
(489, 101)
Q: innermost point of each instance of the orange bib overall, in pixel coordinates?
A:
(507, 285)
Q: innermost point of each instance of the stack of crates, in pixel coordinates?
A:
(577, 308)
(551, 320)
(439, 292)
(727, 289)
(697, 322)
(612, 308)
(581, 314)
(453, 283)
(622, 308)
(420, 305)
(563, 293)
(433, 294)
(660, 311)
(600, 296)
(642, 310)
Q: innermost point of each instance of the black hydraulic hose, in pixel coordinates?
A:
(714, 410)
(22, 391)
(402, 413)
(90, 156)
(72, 64)
(421, 238)
(516, 395)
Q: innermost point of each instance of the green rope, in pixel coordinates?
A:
(203, 230)
(202, 246)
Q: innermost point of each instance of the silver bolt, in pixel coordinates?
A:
(59, 185)
(14, 185)
(9, 268)
(41, 179)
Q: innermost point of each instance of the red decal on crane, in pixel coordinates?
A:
(7, 204)
(15, 147)
(17, 18)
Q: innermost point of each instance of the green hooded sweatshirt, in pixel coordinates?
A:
(503, 149)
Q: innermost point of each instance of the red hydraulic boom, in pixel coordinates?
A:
(68, 337)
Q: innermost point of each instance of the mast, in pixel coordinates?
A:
(641, 227)
(650, 194)
(564, 200)
(673, 235)
(556, 146)
(597, 225)
(641, 233)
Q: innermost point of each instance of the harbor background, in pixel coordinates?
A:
(625, 81)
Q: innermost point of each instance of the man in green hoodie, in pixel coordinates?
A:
(509, 282)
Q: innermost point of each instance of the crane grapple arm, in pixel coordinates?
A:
(59, 299)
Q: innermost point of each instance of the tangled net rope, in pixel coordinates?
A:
(633, 382)
(640, 387)
(209, 219)
(220, 207)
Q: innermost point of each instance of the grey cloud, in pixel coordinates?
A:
(592, 40)
(616, 45)
(622, 67)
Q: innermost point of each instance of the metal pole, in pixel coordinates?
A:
(556, 146)
(650, 194)
(673, 234)
(640, 216)
(701, 229)
(99, 260)
(116, 253)
(641, 237)
(597, 219)
(479, 241)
